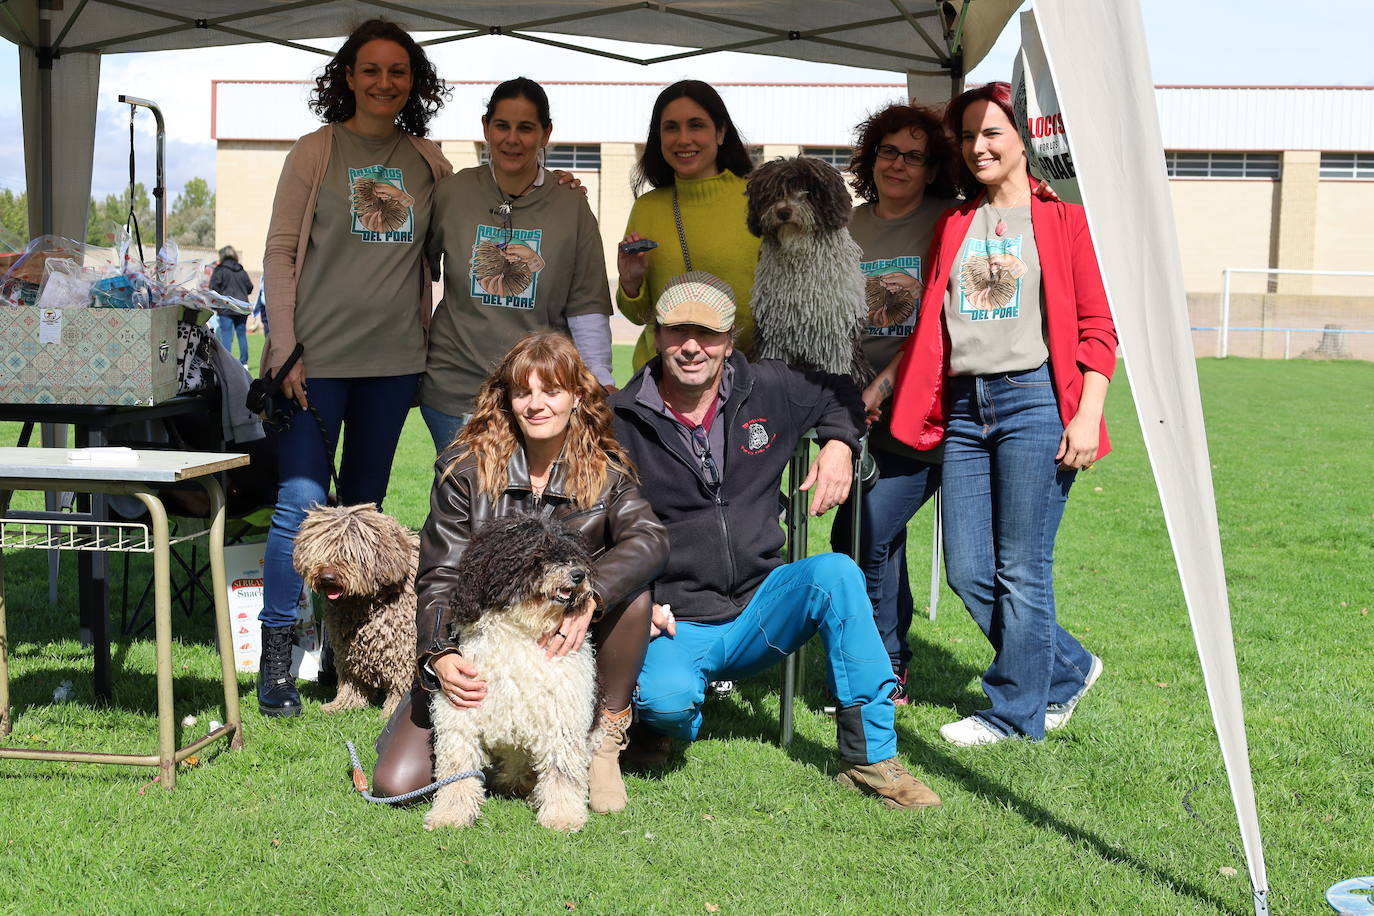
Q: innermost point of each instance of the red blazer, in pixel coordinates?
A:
(1081, 333)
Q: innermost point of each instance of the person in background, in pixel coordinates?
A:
(1008, 367)
(696, 163)
(348, 283)
(230, 279)
(520, 252)
(711, 434)
(902, 168)
(539, 441)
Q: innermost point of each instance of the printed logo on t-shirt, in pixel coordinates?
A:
(757, 437)
(990, 279)
(892, 290)
(505, 266)
(382, 210)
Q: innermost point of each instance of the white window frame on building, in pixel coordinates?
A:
(1224, 166)
(1347, 165)
(574, 157)
(838, 156)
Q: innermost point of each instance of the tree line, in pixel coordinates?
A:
(190, 219)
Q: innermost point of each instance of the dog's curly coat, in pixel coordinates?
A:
(808, 296)
(533, 730)
(363, 563)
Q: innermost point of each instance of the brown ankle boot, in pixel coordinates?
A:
(607, 789)
(890, 782)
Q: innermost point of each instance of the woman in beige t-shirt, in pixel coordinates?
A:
(349, 286)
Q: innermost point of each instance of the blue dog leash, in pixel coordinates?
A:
(360, 782)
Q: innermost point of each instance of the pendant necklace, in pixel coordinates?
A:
(1001, 228)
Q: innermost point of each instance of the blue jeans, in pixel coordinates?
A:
(373, 410)
(1002, 499)
(227, 327)
(823, 593)
(443, 427)
(904, 485)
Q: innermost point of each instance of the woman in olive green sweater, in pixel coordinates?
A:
(697, 165)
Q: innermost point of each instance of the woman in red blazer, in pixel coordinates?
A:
(1008, 366)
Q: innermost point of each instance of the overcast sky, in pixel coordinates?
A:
(1259, 42)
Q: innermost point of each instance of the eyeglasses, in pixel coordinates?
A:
(912, 157)
(701, 447)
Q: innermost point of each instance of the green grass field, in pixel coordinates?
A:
(1090, 821)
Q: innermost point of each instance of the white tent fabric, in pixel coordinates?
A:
(59, 129)
(1097, 56)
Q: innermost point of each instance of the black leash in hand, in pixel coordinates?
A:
(265, 399)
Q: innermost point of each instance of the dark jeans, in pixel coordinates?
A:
(373, 411)
(904, 485)
(1002, 499)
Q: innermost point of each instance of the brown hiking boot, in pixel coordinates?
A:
(606, 790)
(647, 748)
(891, 782)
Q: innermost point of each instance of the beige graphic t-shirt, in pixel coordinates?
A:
(510, 266)
(357, 295)
(992, 307)
(894, 253)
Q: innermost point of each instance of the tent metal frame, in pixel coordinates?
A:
(946, 53)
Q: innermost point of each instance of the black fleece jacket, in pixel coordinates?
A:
(723, 545)
(232, 280)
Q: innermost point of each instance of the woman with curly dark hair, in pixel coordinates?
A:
(348, 285)
(696, 164)
(902, 167)
(539, 441)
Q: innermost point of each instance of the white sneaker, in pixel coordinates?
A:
(1057, 714)
(970, 732)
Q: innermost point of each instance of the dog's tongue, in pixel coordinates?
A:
(333, 592)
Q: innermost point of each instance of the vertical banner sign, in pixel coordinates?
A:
(1039, 118)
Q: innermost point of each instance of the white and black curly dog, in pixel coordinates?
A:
(808, 295)
(533, 732)
(363, 562)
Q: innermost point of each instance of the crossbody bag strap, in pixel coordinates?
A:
(681, 236)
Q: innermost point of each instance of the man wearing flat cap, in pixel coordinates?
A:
(711, 434)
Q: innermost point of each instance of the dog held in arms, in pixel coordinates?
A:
(808, 297)
(363, 562)
(533, 731)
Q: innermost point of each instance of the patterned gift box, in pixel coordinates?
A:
(124, 357)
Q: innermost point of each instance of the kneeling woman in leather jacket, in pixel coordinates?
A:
(539, 441)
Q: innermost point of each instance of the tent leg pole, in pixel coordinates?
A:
(1262, 903)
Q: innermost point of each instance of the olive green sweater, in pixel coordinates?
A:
(718, 239)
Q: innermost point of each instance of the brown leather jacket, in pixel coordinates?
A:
(629, 546)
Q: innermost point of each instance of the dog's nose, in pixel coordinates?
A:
(577, 576)
(784, 213)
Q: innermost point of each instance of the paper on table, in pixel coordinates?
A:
(107, 455)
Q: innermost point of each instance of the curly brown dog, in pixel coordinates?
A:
(363, 563)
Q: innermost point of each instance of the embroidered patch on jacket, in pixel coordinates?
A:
(757, 437)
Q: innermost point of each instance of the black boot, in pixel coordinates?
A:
(277, 693)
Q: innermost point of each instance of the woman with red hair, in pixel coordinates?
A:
(1008, 368)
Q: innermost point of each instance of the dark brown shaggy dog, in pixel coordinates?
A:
(363, 562)
(808, 294)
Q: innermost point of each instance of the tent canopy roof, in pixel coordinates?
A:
(920, 36)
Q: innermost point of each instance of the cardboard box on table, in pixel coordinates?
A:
(243, 570)
(107, 356)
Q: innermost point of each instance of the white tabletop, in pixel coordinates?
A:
(140, 466)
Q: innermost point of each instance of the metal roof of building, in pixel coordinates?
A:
(1337, 118)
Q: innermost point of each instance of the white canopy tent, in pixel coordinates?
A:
(1097, 52)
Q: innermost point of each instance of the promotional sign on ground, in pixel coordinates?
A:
(243, 571)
